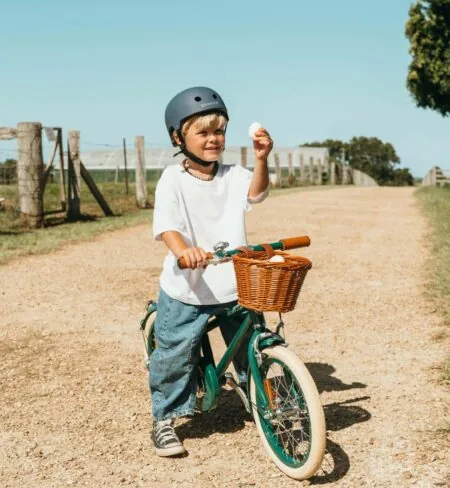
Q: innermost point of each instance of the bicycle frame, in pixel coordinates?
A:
(213, 377)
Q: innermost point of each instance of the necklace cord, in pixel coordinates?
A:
(210, 177)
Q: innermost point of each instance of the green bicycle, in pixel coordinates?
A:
(280, 394)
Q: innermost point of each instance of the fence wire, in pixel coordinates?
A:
(8, 175)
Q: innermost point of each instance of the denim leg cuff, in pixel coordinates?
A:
(176, 415)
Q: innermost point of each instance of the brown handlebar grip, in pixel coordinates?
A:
(294, 242)
(182, 262)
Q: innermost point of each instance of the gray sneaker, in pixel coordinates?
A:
(165, 439)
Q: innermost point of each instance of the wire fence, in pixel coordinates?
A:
(113, 168)
(8, 175)
(106, 161)
(107, 165)
(9, 156)
(8, 168)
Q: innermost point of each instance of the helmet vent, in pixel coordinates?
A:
(214, 96)
(198, 99)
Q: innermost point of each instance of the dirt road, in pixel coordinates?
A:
(75, 408)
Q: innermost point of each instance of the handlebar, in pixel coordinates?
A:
(222, 256)
(295, 242)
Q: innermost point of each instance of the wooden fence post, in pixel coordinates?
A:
(332, 173)
(311, 169)
(30, 173)
(345, 175)
(290, 165)
(302, 169)
(326, 167)
(7, 133)
(141, 179)
(278, 169)
(62, 176)
(125, 164)
(244, 156)
(74, 174)
(319, 171)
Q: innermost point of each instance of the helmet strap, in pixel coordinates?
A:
(184, 150)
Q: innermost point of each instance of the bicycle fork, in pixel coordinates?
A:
(259, 341)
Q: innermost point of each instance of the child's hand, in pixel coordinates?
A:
(195, 257)
(262, 144)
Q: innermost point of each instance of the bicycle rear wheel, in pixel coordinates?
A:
(293, 432)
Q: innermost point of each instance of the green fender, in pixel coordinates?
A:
(270, 341)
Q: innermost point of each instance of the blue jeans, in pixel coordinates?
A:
(179, 328)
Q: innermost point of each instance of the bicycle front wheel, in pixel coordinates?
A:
(293, 430)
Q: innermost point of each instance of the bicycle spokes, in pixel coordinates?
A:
(289, 422)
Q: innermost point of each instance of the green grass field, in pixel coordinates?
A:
(436, 206)
(15, 240)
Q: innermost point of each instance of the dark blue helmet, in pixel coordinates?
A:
(193, 101)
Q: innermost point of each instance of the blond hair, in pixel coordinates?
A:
(212, 121)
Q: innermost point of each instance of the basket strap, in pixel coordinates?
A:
(244, 250)
(269, 250)
(248, 253)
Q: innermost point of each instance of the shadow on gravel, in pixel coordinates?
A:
(341, 415)
(229, 416)
(338, 415)
(322, 374)
(334, 467)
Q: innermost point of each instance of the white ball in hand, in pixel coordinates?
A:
(276, 259)
(253, 129)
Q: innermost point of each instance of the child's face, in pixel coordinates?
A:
(206, 143)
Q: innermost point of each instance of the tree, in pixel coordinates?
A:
(334, 147)
(428, 31)
(371, 156)
(402, 177)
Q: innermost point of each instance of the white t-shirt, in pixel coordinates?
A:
(204, 213)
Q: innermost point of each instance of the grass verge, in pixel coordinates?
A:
(17, 241)
(435, 202)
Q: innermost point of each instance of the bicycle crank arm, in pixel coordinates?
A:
(243, 396)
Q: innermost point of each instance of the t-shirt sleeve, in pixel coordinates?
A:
(244, 176)
(167, 213)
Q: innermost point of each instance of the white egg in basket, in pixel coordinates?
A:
(276, 259)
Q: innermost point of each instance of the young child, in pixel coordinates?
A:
(197, 204)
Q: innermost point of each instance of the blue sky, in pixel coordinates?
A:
(305, 70)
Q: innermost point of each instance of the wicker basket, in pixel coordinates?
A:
(267, 286)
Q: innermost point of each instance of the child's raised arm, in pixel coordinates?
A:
(262, 144)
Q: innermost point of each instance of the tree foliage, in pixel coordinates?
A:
(334, 146)
(371, 156)
(9, 162)
(428, 31)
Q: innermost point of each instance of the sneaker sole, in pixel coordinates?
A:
(170, 451)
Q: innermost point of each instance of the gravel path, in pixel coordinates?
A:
(75, 408)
